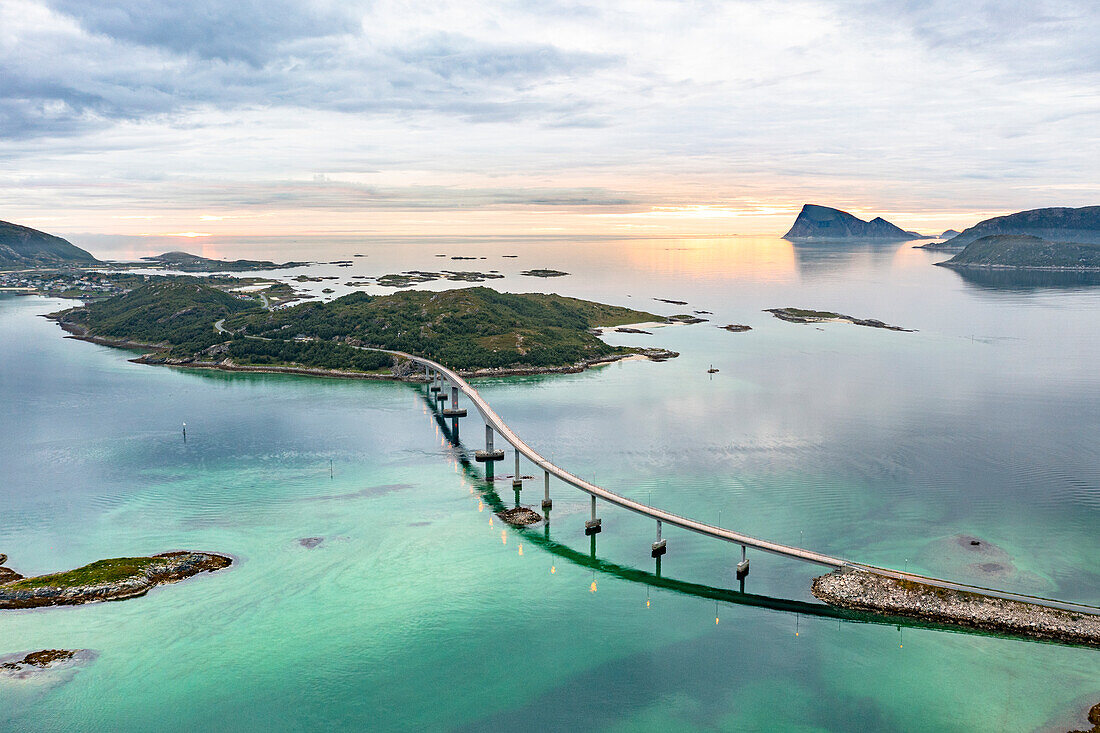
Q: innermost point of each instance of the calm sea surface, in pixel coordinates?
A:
(420, 610)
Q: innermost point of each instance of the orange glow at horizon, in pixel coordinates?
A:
(758, 218)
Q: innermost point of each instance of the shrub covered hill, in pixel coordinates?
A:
(176, 313)
(467, 328)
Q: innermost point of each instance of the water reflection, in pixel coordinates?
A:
(590, 560)
(762, 259)
(1026, 280)
(828, 259)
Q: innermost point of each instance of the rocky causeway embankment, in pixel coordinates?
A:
(863, 591)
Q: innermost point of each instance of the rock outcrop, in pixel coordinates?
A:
(827, 224)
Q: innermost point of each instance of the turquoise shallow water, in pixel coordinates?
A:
(420, 610)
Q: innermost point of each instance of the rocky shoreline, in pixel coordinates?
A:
(863, 591)
(1022, 268)
(397, 374)
(56, 590)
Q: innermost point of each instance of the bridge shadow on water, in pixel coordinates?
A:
(540, 537)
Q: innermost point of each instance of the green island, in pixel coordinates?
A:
(104, 580)
(186, 322)
(1026, 252)
(186, 262)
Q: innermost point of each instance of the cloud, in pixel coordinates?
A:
(556, 104)
(253, 31)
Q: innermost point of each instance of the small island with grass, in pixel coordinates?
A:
(187, 262)
(477, 330)
(802, 315)
(104, 580)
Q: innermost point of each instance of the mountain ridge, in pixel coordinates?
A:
(22, 246)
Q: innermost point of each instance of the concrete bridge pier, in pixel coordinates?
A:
(660, 547)
(546, 503)
(743, 566)
(489, 454)
(436, 381)
(593, 526)
(454, 411)
(517, 482)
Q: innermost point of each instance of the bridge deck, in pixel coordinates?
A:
(494, 420)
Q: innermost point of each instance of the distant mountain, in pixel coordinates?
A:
(823, 223)
(22, 246)
(1058, 224)
(1024, 252)
(942, 242)
(187, 262)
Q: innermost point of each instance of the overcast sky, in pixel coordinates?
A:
(540, 117)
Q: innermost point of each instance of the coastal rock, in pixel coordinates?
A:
(736, 328)
(310, 542)
(44, 658)
(1094, 718)
(70, 588)
(7, 575)
(42, 664)
(520, 516)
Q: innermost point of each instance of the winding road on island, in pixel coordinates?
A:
(494, 420)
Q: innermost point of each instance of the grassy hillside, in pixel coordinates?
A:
(465, 328)
(1025, 252)
(22, 246)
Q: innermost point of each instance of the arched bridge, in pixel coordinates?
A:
(440, 377)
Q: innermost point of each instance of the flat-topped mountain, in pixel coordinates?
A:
(187, 262)
(824, 223)
(1058, 224)
(1024, 252)
(22, 246)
